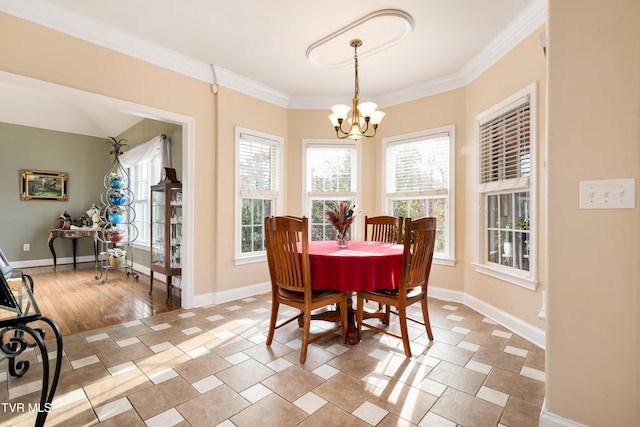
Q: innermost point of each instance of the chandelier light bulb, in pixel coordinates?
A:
(367, 108)
(340, 110)
(376, 117)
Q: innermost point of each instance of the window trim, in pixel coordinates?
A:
(257, 256)
(356, 232)
(525, 279)
(449, 258)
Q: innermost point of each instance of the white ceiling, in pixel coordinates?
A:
(257, 45)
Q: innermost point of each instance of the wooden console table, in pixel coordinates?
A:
(74, 235)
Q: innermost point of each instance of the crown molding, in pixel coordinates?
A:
(65, 21)
(73, 24)
(250, 87)
(520, 28)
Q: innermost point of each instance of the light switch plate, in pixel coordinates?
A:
(608, 194)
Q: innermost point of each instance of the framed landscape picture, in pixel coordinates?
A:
(39, 185)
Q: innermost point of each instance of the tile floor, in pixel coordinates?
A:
(210, 367)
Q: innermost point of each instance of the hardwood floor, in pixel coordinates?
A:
(78, 302)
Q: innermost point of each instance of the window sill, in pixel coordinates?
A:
(519, 280)
(449, 262)
(141, 246)
(250, 259)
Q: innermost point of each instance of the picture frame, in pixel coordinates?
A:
(5, 267)
(41, 185)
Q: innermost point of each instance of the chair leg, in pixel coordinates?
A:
(343, 309)
(272, 322)
(404, 330)
(425, 316)
(306, 331)
(359, 316)
(387, 315)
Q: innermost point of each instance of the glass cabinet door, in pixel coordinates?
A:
(175, 227)
(158, 226)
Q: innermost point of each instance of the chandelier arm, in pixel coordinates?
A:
(366, 127)
(339, 129)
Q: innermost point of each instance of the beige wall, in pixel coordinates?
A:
(524, 65)
(593, 332)
(236, 109)
(436, 111)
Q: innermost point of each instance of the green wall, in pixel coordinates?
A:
(84, 158)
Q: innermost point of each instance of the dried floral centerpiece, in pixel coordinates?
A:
(341, 218)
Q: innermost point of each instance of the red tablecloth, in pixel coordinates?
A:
(358, 267)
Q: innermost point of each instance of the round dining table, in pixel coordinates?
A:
(361, 266)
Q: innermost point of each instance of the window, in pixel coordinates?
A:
(418, 182)
(506, 190)
(259, 186)
(142, 176)
(330, 171)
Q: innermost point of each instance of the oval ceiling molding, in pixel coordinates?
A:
(379, 30)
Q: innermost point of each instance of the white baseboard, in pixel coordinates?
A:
(547, 419)
(49, 261)
(514, 324)
(231, 295)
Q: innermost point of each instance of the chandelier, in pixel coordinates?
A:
(363, 116)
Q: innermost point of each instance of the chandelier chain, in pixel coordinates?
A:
(357, 81)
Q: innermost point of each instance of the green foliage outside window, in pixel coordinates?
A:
(418, 208)
(253, 213)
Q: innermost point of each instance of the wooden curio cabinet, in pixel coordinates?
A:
(166, 230)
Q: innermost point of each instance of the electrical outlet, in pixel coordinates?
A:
(26, 247)
(608, 194)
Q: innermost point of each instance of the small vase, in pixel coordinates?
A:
(115, 237)
(116, 183)
(116, 261)
(116, 218)
(118, 200)
(342, 241)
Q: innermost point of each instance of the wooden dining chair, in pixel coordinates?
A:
(386, 229)
(291, 279)
(383, 228)
(419, 240)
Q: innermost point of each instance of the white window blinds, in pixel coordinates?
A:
(331, 169)
(258, 164)
(505, 144)
(418, 165)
